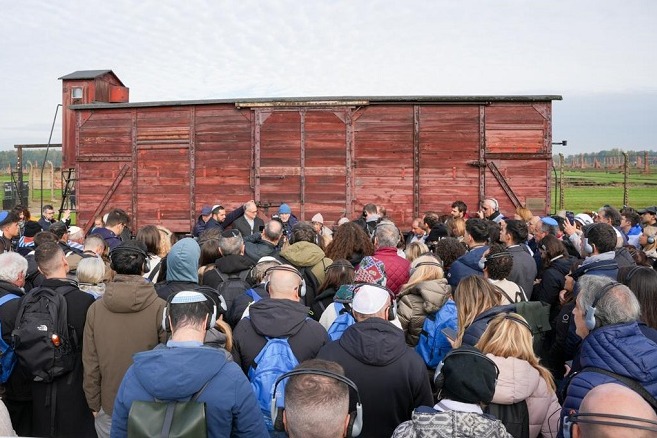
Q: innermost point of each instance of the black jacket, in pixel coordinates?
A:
(255, 247)
(553, 280)
(277, 318)
(244, 228)
(164, 290)
(73, 416)
(230, 265)
(240, 304)
(391, 377)
(230, 218)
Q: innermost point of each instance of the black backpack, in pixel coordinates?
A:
(46, 345)
(515, 417)
(232, 286)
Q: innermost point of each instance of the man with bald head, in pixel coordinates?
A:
(249, 223)
(279, 316)
(611, 399)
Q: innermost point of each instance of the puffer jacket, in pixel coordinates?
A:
(418, 301)
(519, 381)
(307, 255)
(466, 265)
(397, 268)
(619, 348)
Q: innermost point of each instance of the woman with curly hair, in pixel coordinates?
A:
(426, 292)
(350, 242)
(448, 250)
(508, 342)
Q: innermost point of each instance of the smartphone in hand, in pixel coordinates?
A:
(450, 333)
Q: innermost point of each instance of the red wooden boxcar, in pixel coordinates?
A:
(162, 161)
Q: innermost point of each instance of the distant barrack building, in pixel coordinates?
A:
(162, 161)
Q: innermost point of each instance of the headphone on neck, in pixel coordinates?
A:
(589, 314)
(392, 309)
(437, 263)
(605, 420)
(134, 250)
(288, 268)
(519, 321)
(212, 320)
(277, 400)
(650, 240)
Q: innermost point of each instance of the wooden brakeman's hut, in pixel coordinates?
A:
(162, 161)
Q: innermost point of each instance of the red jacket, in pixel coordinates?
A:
(397, 268)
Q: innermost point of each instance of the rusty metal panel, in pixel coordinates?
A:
(449, 140)
(383, 152)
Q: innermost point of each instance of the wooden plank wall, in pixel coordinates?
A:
(185, 157)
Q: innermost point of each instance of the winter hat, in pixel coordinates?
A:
(368, 300)
(206, 211)
(468, 376)
(284, 209)
(343, 220)
(371, 270)
(31, 228)
(438, 232)
(345, 293)
(318, 218)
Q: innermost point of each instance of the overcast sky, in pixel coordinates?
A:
(600, 55)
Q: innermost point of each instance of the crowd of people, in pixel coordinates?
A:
(483, 323)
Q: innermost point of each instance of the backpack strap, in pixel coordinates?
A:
(629, 382)
(7, 297)
(171, 407)
(521, 294)
(505, 294)
(155, 271)
(221, 275)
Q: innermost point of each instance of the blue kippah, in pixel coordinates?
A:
(3, 215)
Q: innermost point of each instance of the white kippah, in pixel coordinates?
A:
(188, 296)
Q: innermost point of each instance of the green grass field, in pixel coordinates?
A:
(593, 188)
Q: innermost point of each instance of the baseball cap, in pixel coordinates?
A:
(547, 220)
(369, 299)
(583, 219)
(651, 210)
(206, 210)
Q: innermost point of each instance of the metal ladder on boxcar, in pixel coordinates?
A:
(69, 194)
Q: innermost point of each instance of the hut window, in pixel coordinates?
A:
(76, 93)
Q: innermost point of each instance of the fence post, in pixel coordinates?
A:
(626, 200)
(561, 197)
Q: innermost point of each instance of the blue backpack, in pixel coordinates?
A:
(275, 359)
(433, 346)
(7, 355)
(342, 322)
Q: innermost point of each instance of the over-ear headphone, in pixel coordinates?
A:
(208, 301)
(631, 272)
(287, 268)
(392, 310)
(650, 240)
(497, 255)
(132, 249)
(439, 378)
(589, 314)
(355, 418)
(590, 418)
(587, 246)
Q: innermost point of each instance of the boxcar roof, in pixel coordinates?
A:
(323, 101)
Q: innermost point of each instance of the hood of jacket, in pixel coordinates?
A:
(173, 373)
(374, 341)
(434, 293)
(233, 264)
(623, 349)
(128, 294)
(277, 317)
(303, 254)
(182, 261)
(471, 258)
(517, 380)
